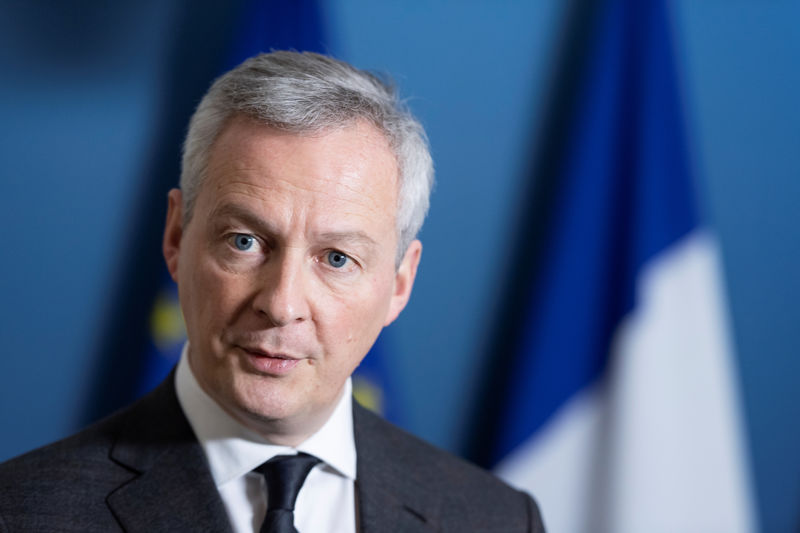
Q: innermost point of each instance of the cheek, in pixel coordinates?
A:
(214, 295)
(354, 318)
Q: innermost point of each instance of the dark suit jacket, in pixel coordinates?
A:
(142, 469)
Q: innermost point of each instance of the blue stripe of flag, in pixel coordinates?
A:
(623, 193)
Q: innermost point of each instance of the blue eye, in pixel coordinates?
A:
(243, 242)
(337, 259)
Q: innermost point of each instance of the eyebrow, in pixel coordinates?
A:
(357, 237)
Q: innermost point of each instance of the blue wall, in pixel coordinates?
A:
(743, 77)
(78, 100)
(79, 103)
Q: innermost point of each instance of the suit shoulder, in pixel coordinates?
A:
(468, 489)
(93, 440)
(70, 458)
(84, 452)
(77, 473)
(422, 458)
(73, 475)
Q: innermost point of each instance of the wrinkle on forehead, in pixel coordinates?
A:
(273, 159)
(282, 198)
(346, 172)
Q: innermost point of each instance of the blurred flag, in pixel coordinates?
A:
(373, 386)
(166, 335)
(621, 413)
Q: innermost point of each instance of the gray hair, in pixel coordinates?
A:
(307, 93)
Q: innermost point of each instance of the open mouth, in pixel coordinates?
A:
(264, 362)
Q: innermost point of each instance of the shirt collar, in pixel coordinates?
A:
(234, 450)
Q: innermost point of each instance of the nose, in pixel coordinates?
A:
(282, 290)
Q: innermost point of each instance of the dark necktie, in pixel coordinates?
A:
(284, 475)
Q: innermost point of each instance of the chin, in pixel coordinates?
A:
(259, 400)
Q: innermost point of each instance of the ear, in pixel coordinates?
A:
(404, 281)
(173, 231)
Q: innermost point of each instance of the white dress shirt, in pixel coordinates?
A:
(326, 502)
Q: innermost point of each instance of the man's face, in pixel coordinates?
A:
(286, 271)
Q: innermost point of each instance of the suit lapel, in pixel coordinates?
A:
(174, 490)
(389, 499)
(379, 511)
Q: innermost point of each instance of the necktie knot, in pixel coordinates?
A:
(284, 475)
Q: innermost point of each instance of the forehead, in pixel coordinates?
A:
(350, 167)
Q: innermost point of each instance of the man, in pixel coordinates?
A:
(292, 241)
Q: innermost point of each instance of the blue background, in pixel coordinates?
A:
(80, 94)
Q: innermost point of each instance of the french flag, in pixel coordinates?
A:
(620, 411)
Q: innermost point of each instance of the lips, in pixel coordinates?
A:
(264, 362)
(258, 352)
